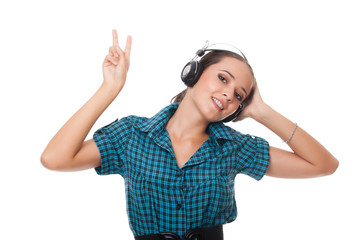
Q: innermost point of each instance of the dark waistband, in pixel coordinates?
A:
(212, 233)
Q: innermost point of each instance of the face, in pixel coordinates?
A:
(221, 88)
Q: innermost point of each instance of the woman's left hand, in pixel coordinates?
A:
(308, 159)
(254, 107)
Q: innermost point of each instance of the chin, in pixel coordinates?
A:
(209, 117)
(211, 114)
(213, 118)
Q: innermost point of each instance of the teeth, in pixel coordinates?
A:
(218, 103)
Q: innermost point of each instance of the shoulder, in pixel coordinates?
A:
(122, 125)
(244, 142)
(222, 131)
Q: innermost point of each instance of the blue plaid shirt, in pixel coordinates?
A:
(161, 196)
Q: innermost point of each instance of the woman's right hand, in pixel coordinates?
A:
(67, 150)
(116, 63)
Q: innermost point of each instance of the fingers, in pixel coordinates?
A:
(111, 59)
(115, 47)
(116, 53)
(128, 47)
(115, 38)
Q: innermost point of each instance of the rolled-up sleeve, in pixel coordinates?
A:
(111, 141)
(253, 157)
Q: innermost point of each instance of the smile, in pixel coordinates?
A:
(218, 103)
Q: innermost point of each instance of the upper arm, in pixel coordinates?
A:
(285, 164)
(87, 157)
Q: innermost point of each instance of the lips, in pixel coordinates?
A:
(218, 103)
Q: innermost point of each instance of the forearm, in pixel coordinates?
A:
(302, 143)
(69, 139)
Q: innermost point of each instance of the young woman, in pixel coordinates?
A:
(179, 166)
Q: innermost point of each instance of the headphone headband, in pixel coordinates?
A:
(218, 47)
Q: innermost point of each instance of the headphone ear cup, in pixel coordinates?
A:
(191, 73)
(234, 115)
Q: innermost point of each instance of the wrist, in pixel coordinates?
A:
(261, 112)
(111, 89)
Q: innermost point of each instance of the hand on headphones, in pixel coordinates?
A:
(116, 63)
(252, 105)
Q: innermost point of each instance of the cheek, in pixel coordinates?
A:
(233, 107)
(208, 83)
(199, 89)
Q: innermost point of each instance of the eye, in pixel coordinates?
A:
(238, 96)
(222, 78)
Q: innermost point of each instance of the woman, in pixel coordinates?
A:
(179, 166)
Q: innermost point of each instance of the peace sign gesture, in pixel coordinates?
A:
(116, 63)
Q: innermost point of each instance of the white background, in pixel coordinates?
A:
(305, 55)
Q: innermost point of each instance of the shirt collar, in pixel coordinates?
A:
(158, 122)
(154, 125)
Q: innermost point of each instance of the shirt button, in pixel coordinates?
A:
(178, 206)
(179, 174)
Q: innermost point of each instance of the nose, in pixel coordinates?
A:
(229, 95)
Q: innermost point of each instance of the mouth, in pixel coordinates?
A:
(218, 103)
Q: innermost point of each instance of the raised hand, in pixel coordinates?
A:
(68, 150)
(116, 63)
(253, 107)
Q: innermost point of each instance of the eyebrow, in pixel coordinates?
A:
(232, 76)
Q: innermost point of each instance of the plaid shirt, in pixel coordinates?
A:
(161, 196)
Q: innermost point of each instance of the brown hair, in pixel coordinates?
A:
(214, 57)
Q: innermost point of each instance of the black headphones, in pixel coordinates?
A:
(193, 69)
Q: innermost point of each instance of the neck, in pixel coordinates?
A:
(187, 123)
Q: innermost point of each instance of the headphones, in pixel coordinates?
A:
(193, 69)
